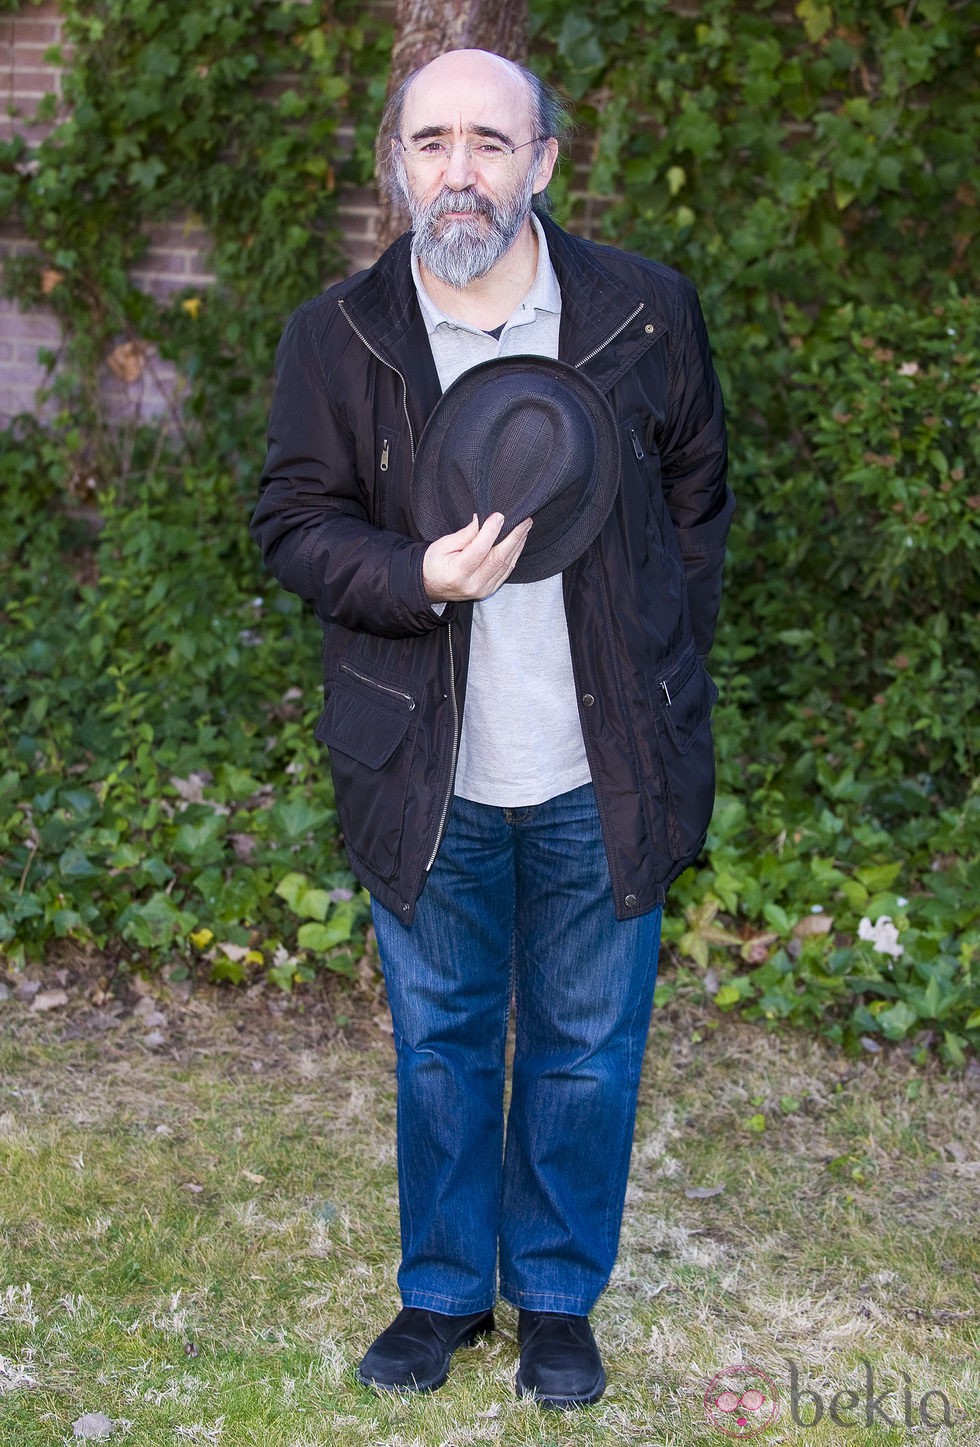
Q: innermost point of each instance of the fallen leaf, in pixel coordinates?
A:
(231, 951)
(703, 1193)
(193, 1186)
(93, 1424)
(126, 361)
(49, 1000)
(146, 1007)
(756, 950)
(813, 924)
(251, 1176)
(191, 789)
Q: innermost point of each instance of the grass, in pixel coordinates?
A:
(199, 1238)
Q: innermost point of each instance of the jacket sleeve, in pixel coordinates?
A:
(694, 463)
(312, 522)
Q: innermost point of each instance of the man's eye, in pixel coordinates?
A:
(489, 150)
(432, 148)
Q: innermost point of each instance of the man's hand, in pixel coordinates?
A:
(469, 565)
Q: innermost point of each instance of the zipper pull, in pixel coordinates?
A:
(384, 456)
(663, 685)
(637, 448)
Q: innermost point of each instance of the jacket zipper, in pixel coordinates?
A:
(449, 627)
(455, 754)
(612, 337)
(600, 803)
(385, 363)
(678, 676)
(384, 687)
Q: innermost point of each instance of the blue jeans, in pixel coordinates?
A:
(518, 903)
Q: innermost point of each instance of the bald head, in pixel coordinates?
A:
(463, 90)
(462, 82)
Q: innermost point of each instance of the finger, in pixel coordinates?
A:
(481, 544)
(455, 542)
(516, 538)
(502, 560)
(509, 549)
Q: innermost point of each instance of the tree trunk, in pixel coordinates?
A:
(425, 28)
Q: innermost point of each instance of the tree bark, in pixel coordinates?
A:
(425, 28)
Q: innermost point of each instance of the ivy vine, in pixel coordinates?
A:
(225, 112)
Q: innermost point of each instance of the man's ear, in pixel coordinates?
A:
(546, 165)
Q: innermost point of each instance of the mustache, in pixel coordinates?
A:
(449, 202)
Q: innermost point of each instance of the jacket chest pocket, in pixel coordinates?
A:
(387, 451)
(645, 466)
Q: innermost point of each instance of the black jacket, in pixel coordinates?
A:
(355, 384)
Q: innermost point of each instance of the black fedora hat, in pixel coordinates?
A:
(528, 437)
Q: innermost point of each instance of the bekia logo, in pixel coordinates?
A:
(743, 1401)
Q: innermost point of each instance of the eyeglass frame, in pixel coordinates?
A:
(447, 149)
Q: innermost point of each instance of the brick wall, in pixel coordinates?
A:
(176, 256)
(25, 77)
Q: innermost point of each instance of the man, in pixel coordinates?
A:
(520, 769)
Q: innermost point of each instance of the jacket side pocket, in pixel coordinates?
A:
(366, 728)
(683, 700)
(686, 694)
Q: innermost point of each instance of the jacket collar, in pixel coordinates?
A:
(606, 323)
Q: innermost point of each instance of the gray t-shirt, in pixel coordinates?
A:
(521, 739)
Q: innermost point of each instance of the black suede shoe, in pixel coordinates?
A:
(560, 1363)
(412, 1355)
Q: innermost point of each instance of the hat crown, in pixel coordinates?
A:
(531, 443)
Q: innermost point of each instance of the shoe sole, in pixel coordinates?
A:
(568, 1403)
(436, 1382)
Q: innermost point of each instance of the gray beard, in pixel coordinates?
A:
(467, 250)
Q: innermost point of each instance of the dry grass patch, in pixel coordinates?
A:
(199, 1239)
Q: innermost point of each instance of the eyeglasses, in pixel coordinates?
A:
(484, 150)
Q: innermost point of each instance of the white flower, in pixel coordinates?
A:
(882, 935)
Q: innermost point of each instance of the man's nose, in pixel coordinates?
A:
(459, 171)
